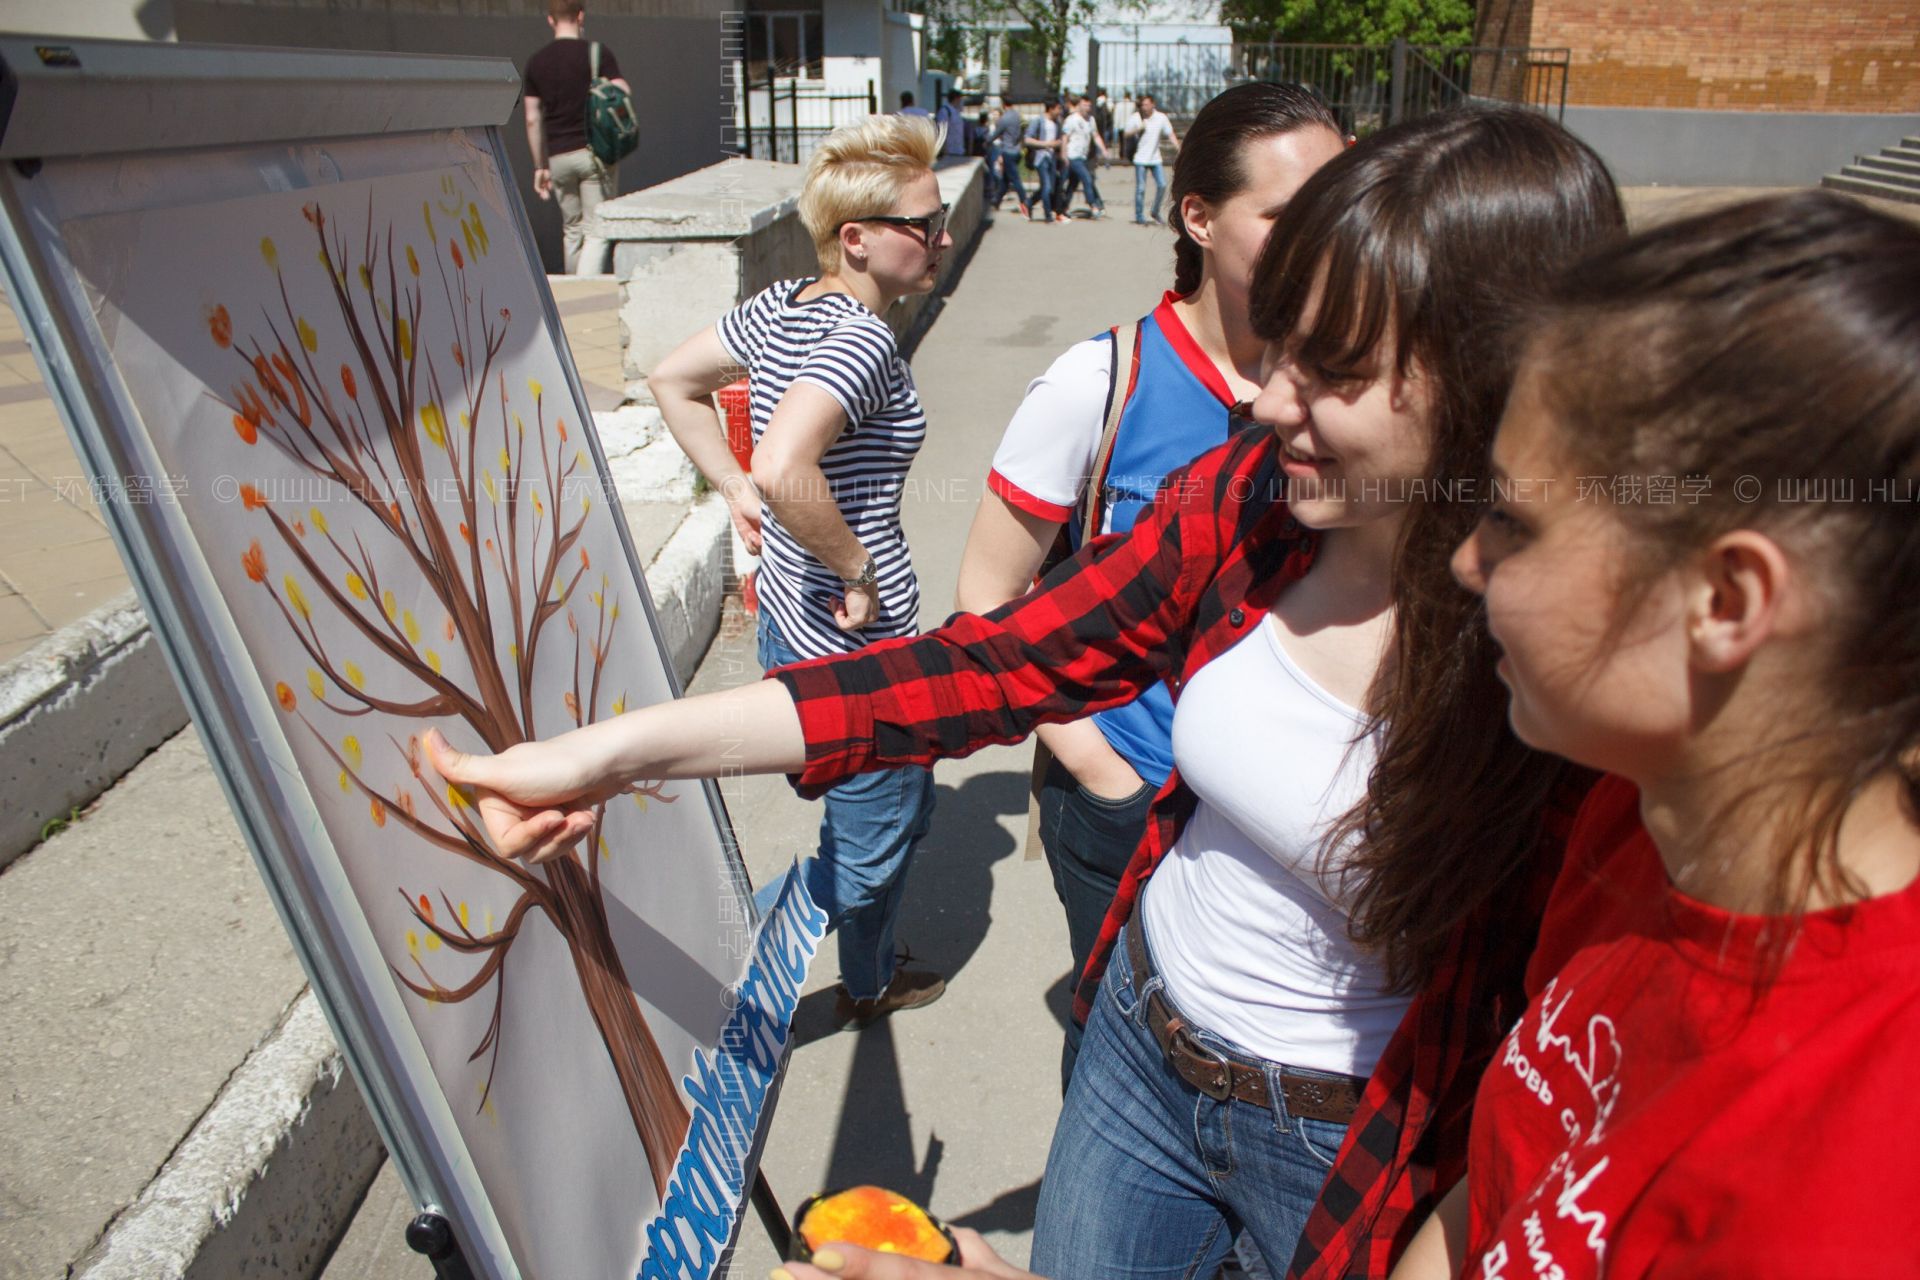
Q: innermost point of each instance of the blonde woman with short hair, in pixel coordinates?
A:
(836, 425)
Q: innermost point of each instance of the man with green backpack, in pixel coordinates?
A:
(580, 124)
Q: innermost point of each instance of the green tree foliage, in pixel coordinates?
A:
(1421, 22)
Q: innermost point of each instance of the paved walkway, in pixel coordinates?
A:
(57, 561)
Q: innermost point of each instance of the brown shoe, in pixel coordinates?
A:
(910, 989)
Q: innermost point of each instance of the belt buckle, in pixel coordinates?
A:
(1218, 1084)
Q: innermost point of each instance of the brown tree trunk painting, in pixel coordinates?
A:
(418, 431)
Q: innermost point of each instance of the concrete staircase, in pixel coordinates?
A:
(1894, 174)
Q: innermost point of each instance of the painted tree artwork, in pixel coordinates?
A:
(389, 481)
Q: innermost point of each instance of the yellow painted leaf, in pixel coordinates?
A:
(486, 480)
(388, 604)
(404, 332)
(506, 462)
(620, 705)
(355, 676)
(346, 783)
(463, 916)
(271, 254)
(366, 278)
(295, 596)
(412, 627)
(319, 521)
(308, 338)
(604, 851)
(433, 942)
(426, 211)
(433, 661)
(316, 683)
(434, 424)
(413, 261)
(534, 388)
(356, 587)
(456, 797)
(350, 747)
(641, 801)
(413, 944)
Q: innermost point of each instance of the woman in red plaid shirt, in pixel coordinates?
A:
(1387, 805)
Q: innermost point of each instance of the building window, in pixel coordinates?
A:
(785, 41)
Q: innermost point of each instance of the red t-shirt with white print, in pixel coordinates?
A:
(1650, 1116)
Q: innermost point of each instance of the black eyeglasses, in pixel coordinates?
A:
(931, 226)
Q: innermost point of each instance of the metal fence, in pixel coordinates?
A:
(1368, 86)
(784, 118)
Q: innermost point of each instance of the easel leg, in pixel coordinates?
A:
(771, 1216)
(431, 1235)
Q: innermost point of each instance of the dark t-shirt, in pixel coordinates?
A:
(557, 76)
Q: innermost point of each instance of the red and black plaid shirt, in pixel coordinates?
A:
(1199, 569)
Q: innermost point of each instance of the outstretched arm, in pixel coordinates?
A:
(1105, 627)
(537, 798)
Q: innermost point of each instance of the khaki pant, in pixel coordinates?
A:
(580, 183)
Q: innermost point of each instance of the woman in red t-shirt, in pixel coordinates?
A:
(1703, 568)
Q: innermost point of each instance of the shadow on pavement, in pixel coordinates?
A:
(945, 917)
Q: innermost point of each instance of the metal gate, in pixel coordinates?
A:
(1368, 86)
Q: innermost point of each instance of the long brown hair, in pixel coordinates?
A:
(1432, 238)
(1771, 349)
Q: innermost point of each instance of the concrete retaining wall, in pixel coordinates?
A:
(1646, 146)
(77, 712)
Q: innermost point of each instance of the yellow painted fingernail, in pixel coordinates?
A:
(829, 1260)
(779, 1273)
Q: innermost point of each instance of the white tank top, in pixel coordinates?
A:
(1249, 935)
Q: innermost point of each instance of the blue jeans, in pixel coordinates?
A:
(1140, 172)
(1003, 175)
(1089, 840)
(1044, 165)
(1080, 171)
(867, 837)
(1149, 1178)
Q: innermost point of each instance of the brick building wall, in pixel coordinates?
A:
(1725, 55)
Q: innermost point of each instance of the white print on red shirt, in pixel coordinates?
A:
(1599, 1070)
(1597, 1063)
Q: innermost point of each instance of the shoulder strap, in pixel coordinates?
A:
(1127, 336)
(593, 61)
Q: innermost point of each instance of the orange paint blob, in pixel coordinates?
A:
(254, 561)
(874, 1218)
(220, 325)
(287, 701)
(251, 498)
(245, 429)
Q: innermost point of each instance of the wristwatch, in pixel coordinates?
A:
(869, 575)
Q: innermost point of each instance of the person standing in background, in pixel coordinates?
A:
(1043, 137)
(1155, 125)
(1080, 135)
(908, 109)
(1003, 161)
(954, 144)
(557, 81)
(1102, 118)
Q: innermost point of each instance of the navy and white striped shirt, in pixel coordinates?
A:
(833, 342)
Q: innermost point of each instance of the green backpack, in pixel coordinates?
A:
(613, 131)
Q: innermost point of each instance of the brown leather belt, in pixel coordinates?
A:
(1327, 1097)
